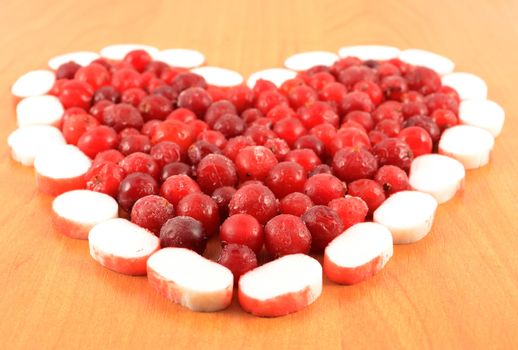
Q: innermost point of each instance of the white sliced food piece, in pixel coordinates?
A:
(408, 215)
(485, 114)
(218, 76)
(438, 175)
(469, 86)
(122, 246)
(34, 83)
(417, 57)
(358, 253)
(370, 52)
(305, 60)
(468, 144)
(39, 110)
(26, 142)
(82, 58)
(189, 279)
(75, 213)
(117, 52)
(184, 58)
(275, 75)
(282, 286)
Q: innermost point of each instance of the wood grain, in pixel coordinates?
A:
(457, 288)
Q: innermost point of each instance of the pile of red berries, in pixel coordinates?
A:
(288, 168)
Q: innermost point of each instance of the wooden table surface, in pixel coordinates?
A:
(457, 288)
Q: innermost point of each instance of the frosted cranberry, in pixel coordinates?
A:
(254, 162)
(72, 111)
(122, 116)
(183, 232)
(393, 151)
(351, 164)
(370, 191)
(95, 75)
(451, 92)
(260, 134)
(238, 258)
(256, 200)
(279, 148)
(279, 112)
(392, 179)
(155, 107)
(412, 96)
(344, 63)
(290, 84)
(76, 125)
(184, 81)
(218, 109)
(230, 125)
(269, 99)
(173, 131)
(386, 68)
(444, 118)
(389, 127)
(286, 234)
(289, 129)
(320, 169)
(317, 113)
(348, 124)
(151, 212)
(376, 137)
(195, 99)
(241, 96)
(217, 93)
(319, 80)
(302, 96)
(350, 137)
(106, 93)
(182, 114)
(97, 139)
(133, 96)
(418, 139)
(393, 87)
(264, 122)
(76, 93)
(175, 168)
(129, 132)
(235, 144)
(314, 70)
(285, 178)
(441, 101)
(214, 171)
(333, 93)
(363, 118)
(67, 70)
(158, 69)
(149, 127)
(250, 115)
(104, 177)
(322, 188)
(402, 66)
(262, 85)
(305, 157)
(165, 152)
(133, 187)
(423, 79)
(111, 155)
(202, 208)
(176, 187)
(222, 197)
(410, 109)
(426, 123)
(57, 87)
(355, 74)
(311, 142)
(197, 126)
(126, 78)
(295, 203)
(388, 110)
(134, 143)
(370, 88)
(140, 162)
(138, 59)
(352, 210)
(242, 229)
(103, 62)
(213, 137)
(165, 91)
(356, 101)
(324, 224)
(199, 150)
(325, 133)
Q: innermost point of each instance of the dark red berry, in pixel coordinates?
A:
(183, 232)
(256, 200)
(133, 187)
(151, 212)
(239, 259)
(202, 208)
(242, 229)
(324, 224)
(286, 234)
(370, 191)
(351, 164)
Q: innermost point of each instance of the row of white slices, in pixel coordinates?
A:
(279, 287)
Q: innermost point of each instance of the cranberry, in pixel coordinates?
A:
(260, 133)
(302, 96)
(426, 123)
(324, 224)
(344, 63)
(104, 177)
(389, 127)
(107, 93)
(317, 113)
(251, 114)
(444, 118)
(269, 99)
(173, 131)
(235, 144)
(198, 150)
(352, 210)
(76, 93)
(218, 109)
(155, 107)
(410, 109)
(133, 187)
(295, 203)
(441, 101)
(98, 139)
(129, 132)
(184, 81)
(183, 232)
(349, 137)
(363, 118)
(254, 162)
(133, 96)
(214, 171)
(313, 143)
(166, 152)
(322, 188)
(325, 133)
(222, 197)
(175, 168)
(321, 169)
(376, 137)
(197, 126)
(241, 96)
(386, 68)
(182, 114)
(256, 200)
(230, 125)
(76, 125)
(214, 137)
(134, 143)
(126, 78)
(388, 110)
(418, 139)
(451, 92)
(151, 212)
(319, 80)
(111, 155)
(176, 187)
(279, 148)
(202, 208)
(354, 74)
(239, 259)
(392, 179)
(370, 88)
(242, 229)
(165, 91)
(95, 75)
(393, 151)
(412, 96)
(140, 162)
(138, 59)
(67, 70)
(333, 93)
(423, 79)
(122, 116)
(370, 191)
(393, 87)
(286, 234)
(279, 112)
(285, 178)
(305, 157)
(351, 164)
(196, 99)
(289, 129)
(356, 101)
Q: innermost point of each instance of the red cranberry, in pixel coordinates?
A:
(323, 188)
(250, 115)
(155, 107)
(376, 137)
(324, 224)
(76, 93)
(241, 96)
(67, 70)
(370, 88)
(242, 229)
(392, 179)
(173, 131)
(351, 164)
(325, 133)
(386, 68)
(229, 125)
(295, 203)
(183, 232)
(423, 79)
(260, 133)
(166, 152)
(98, 139)
(235, 144)
(184, 81)
(311, 142)
(344, 63)
(444, 118)
(196, 99)
(151, 212)
(279, 112)
(202, 208)
(126, 78)
(279, 148)
(393, 151)
(394, 86)
(289, 129)
(214, 171)
(349, 137)
(200, 149)
(122, 116)
(176, 187)
(129, 132)
(95, 75)
(106, 93)
(451, 92)
(218, 109)
(104, 177)
(167, 92)
(321, 169)
(426, 123)
(363, 118)
(410, 109)
(441, 101)
(305, 157)
(133, 96)
(389, 127)
(133, 187)
(138, 59)
(140, 162)
(285, 178)
(239, 259)
(254, 162)
(256, 200)
(222, 197)
(213, 137)
(175, 168)
(76, 125)
(302, 96)
(317, 113)
(269, 99)
(352, 210)
(286, 234)
(333, 93)
(355, 74)
(319, 80)
(356, 101)
(370, 191)
(418, 139)
(134, 143)
(182, 114)
(111, 155)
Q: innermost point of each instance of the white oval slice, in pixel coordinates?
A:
(417, 57)
(34, 83)
(370, 52)
(82, 58)
(184, 58)
(408, 215)
(117, 52)
(438, 175)
(218, 76)
(62, 162)
(189, 279)
(484, 114)
(26, 142)
(469, 86)
(468, 144)
(39, 110)
(305, 60)
(275, 75)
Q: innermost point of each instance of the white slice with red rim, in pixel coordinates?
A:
(305, 60)
(82, 58)
(183, 58)
(34, 83)
(358, 254)
(275, 75)
(75, 213)
(370, 52)
(408, 215)
(187, 278)
(485, 114)
(122, 246)
(61, 168)
(117, 52)
(417, 57)
(468, 144)
(282, 286)
(438, 175)
(217, 76)
(44, 109)
(468, 86)
(26, 142)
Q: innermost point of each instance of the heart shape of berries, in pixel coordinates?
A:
(343, 154)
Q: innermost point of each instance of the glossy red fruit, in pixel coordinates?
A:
(393, 151)
(286, 234)
(392, 179)
(76, 125)
(183, 232)
(98, 139)
(254, 163)
(166, 152)
(426, 123)
(356, 101)
(155, 107)
(111, 155)
(349, 137)
(295, 203)
(351, 164)
(370, 191)
(352, 210)
(104, 177)
(126, 78)
(133, 96)
(269, 99)
(322, 188)
(214, 171)
(67, 70)
(195, 99)
(302, 95)
(285, 178)
(239, 259)
(279, 148)
(140, 162)
(122, 116)
(362, 118)
(176, 187)
(199, 150)
(151, 212)
(418, 139)
(173, 131)
(230, 125)
(289, 129)
(423, 79)
(324, 224)
(242, 229)
(222, 197)
(214, 137)
(95, 75)
(186, 80)
(444, 118)
(134, 143)
(175, 168)
(138, 59)
(133, 187)
(256, 200)
(74, 93)
(372, 89)
(202, 208)
(305, 157)
(235, 144)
